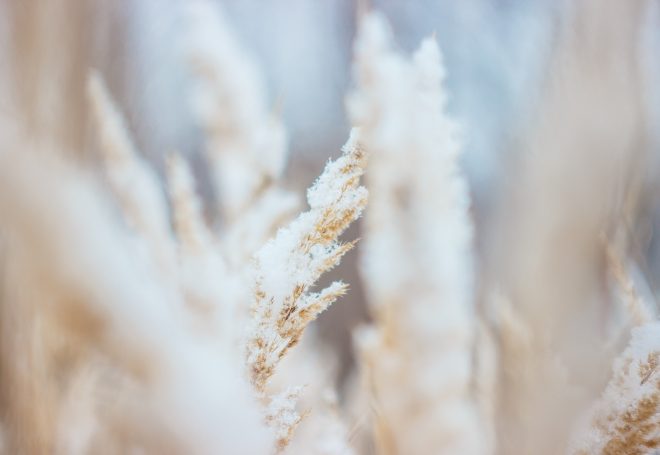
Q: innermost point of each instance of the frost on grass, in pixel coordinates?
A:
(247, 146)
(282, 415)
(626, 420)
(296, 258)
(290, 264)
(418, 354)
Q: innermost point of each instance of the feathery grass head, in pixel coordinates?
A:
(418, 357)
(626, 420)
(289, 265)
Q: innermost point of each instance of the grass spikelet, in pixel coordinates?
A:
(626, 420)
(289, 265)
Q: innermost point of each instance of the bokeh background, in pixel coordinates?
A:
(520, 74)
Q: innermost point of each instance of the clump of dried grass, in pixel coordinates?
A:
(130, 325)
(136, 306)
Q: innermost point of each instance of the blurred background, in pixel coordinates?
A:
(558, 101)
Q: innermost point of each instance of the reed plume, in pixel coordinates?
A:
(418, 355)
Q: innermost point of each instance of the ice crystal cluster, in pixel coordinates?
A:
(173, 303)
